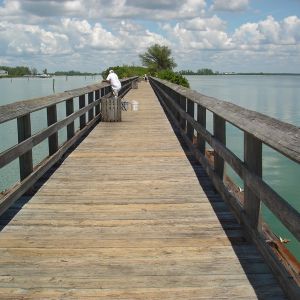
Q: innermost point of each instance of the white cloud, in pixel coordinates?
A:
(19, 39)
(88, 32)
(268, 32)
(230, 5)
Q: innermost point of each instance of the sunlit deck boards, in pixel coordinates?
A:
(124, 217)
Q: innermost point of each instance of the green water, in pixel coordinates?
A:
(275, 96)
(17, 89)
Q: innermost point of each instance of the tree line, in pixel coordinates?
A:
(20, 71)
(156, 61)
(203, 71)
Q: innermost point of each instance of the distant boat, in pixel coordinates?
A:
(38, 76)
(43, 75)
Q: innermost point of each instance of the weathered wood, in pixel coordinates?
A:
(190, 111)
(69, 111)
(201, 119)
(104, 226)
(111, 109)
(52, 119)
(91, 111)
(97, 97)
(82, 119)
(14, 110)
(183, 107)
(21, 148)
(24, 132)
(279, 135)
(18, 190)
(292, 290)
(253, 161)
(288, 215)
(220, 135)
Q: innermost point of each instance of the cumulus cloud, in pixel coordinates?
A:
(200, 33)
(230, 5)
(75, 31)
(32, 40)
(268, 32)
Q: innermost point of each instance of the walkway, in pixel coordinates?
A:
(124, 217)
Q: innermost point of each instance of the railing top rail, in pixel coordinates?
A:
(17, 109)
(281, 136)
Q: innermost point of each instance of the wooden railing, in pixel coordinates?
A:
(258, 129)
(89, 113)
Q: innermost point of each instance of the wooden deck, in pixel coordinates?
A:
(124, 217)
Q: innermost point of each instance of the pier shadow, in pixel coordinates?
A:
(258, 273)
(11, 212)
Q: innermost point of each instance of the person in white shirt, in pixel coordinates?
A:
(114, 81)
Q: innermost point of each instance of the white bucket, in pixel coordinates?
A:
(134, 105)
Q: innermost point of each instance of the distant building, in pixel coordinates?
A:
(3, 73)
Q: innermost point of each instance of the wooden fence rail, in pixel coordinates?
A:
(88, 114)
(258, 129)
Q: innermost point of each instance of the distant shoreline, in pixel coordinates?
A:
(255, 74)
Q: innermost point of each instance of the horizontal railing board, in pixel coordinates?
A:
(281, 136)
(21, 148)
(282, 209)
(17, 109)
(287, 214)
(16, 192)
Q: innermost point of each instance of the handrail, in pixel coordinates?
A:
(259, 129)
(89, 107)
(23, 107)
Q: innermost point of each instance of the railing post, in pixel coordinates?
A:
(53, 139)
(253, 161)
(201, 119)
(97, 107)
(220, 135)
(24, 132)
(69, 111)
(183, 107)
(90, 100)
(82, 119)
(190, 111)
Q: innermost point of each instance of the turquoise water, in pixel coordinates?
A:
(275, 96)
(17, 89)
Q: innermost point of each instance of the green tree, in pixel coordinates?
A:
(158, 58)
(173, 77)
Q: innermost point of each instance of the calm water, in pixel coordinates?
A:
(275, 96)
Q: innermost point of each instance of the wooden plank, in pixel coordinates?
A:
(52, 119)
(124, 217)
(287, 214)
(279, 135)
(253, 161)
(18, 109)
(24, 132)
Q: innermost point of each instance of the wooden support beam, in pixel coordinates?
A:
(253, 162)
(91, 111)
(220, 135)
(24, 132)
(82, 119)
(201, 119)
(53, 139)
(69, 111)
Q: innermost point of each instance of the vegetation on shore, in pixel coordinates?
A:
(21, 71)
(160, 63)
(204, 71)
(126, 71)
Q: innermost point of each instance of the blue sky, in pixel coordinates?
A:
(91, 35)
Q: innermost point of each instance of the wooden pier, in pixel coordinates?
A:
(129, 214)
